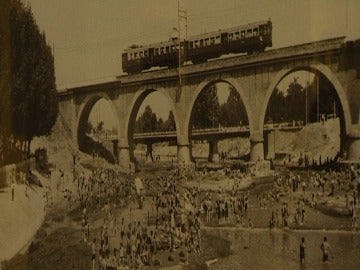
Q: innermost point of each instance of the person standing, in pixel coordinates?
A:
(302, 250)
(325, 247)
(93, 254)
(12, 190)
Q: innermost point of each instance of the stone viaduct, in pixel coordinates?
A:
(253, 76)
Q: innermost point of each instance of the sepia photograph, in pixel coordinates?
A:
(179, 134)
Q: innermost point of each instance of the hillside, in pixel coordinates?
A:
(60, 149)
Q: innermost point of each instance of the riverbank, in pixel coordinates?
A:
(20, 219)
(58, 241)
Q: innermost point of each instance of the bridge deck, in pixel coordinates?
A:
(235, 62)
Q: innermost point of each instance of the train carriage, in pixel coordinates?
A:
(250, 38)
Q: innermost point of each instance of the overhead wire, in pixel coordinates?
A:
(194, 17)
(197, 17)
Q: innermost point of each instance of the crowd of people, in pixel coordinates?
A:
(126, 241)
(174, 213)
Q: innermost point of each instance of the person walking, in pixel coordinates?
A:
(302, 250)
(325, 247)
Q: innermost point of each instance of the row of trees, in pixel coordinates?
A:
(148, 122)
(27, 80)
(297, 102)
(303, 103)
(208, 112)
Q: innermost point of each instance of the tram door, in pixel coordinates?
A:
(224, 42)
(151, 55)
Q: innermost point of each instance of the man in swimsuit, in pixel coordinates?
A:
(302, 250)
(325, 247)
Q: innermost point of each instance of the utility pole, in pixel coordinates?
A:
(182, 15)
(317, 99)
(306, 102)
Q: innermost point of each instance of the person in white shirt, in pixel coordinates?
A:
(325, 247)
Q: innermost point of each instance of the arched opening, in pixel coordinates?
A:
(152, 126)
(98, 127)
(219, 124)
(304, 121)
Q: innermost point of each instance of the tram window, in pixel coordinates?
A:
(156, 51)
(237, 35)
(265, 30)
(249, 33)
(141, 54)
(191, 44)
(212, 40)
(261, 29)
(196, 43)
(255, 31)
(231, 36)
(207, 41)
(217, 40)
(167, 49)
(130, 56)
(173, 48)
(135, 55)
(242, 34)
(162, 50)
(201, 42)
(145, 53)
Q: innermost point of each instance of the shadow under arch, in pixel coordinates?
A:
(86, 106)
(319, 70)
(234, 83)
(137, 100)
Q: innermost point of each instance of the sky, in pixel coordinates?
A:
(88, 36)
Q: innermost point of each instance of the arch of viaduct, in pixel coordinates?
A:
(254, 77)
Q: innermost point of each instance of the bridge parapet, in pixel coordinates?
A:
(240, 61)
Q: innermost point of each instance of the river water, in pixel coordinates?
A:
(278, 249)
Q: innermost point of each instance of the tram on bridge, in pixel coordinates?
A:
(249, 38)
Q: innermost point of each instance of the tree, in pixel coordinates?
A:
(233, 112)
(295, 101)
(170, 124)
(206, 111)
(147, 121)
(5, 82)
(100, 126)
(160, 125)
(89, 128)
(34, 103)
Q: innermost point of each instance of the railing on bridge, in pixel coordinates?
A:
(194, 131)
(292, 124)
(214, 130)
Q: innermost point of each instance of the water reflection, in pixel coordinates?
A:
(279, 249)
